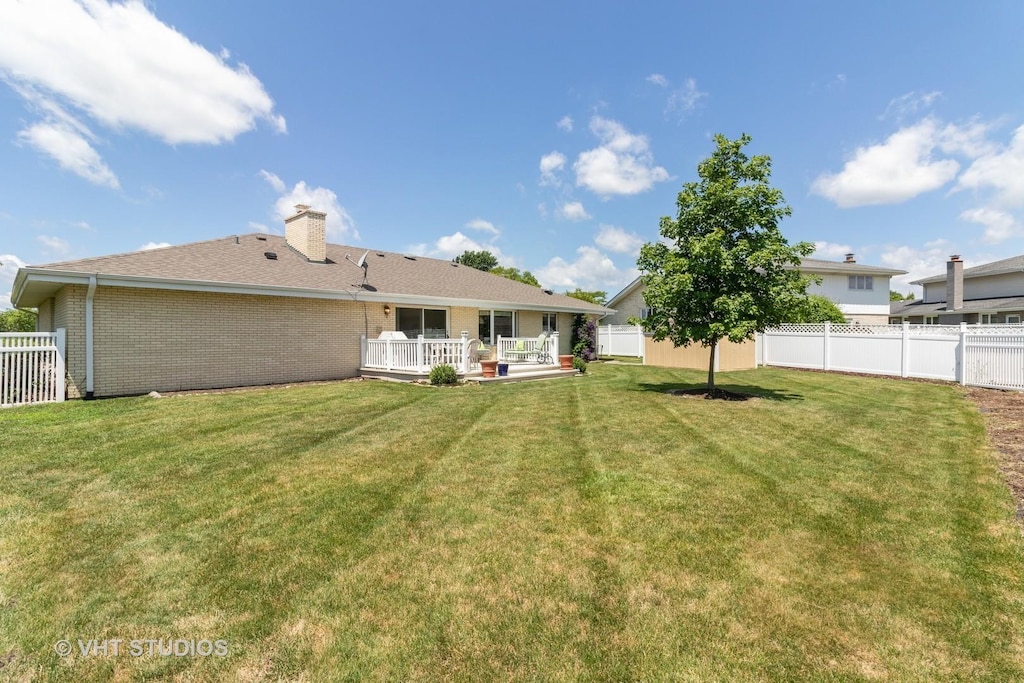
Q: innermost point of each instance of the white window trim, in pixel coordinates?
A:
(1013, 320)
(423, 326)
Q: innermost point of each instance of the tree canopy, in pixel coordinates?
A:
(595, 296)
(481, 260)
(723, 269)
(17, 320)
(515, 274)
(899, 296)
(816, 308)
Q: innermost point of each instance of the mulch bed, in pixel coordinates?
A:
(1004, 421)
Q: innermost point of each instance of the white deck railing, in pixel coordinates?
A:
(548, 355)
(417, 355)
(31, 367)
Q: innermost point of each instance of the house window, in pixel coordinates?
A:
(987, 318)
(862, 282)
(931, 320)
(645, 313)
(494, 324)
(549, 322)
(432, 323)
(1013, 319)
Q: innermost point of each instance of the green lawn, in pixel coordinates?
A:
(841, 528)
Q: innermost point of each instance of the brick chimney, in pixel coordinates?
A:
(849, 259)
(306, 233)
(954, 283)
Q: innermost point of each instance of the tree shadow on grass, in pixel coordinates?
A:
(733, 392)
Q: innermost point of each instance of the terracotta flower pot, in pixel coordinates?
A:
(565, 362)
(489, 367)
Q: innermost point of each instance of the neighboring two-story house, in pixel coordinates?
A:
(991, 293)
(860, 291)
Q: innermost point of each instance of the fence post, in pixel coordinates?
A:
(641, 341)
(497, 348)
(465, 351)
(388, 356)
(553, 347)
(61, 369)
(961, 374)
(826, 356)
(362, 350)
(420, 356)
(905, 351)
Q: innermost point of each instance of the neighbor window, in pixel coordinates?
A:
(931, 320)
(862, 282)
(432, 323)
(494, 324)
(549, 322)
(987, 318)
(1013, 319)
(645, 313)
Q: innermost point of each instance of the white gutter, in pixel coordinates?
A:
(70, 277)
(90, 293)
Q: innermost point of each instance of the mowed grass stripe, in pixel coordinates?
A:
(593, 529)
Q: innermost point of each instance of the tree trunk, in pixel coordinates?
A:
(711, 369)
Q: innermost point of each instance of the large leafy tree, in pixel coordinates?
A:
(17, 320)
(481, 260)
(515, 274)
(595, 296)
(723, 270)
(815, 308)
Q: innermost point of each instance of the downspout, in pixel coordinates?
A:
(90, 293)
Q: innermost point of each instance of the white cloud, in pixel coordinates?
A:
(126, 69)
(919, 262)
(483, 226)
(830, 250)
(1001, 170)
(657, 79)
(573, 211)
(70, 148)
(618, 240)
(260, 227)
(83, 225)
(622, 164)
(909, 104)
(273, 180)
(999, 225)
(590, 270)
(549, 165)
(450, 246)
(565, 123)
(9, 264)
(153, 245)
(54, 247)
(339, 224)
(684, 100)
(896, 170)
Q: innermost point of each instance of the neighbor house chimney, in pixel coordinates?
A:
(306, 233)
(849, 259)
(954, 283)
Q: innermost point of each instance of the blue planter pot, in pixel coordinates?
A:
(502, 369)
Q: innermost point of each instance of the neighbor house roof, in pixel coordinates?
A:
(239, 264)
(809, 265)
(919, 307)
(1014, 264)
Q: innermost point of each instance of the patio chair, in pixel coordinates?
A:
(521, 353)
(477, 349)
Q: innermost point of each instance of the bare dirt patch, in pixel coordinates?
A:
(720, 394)
(1004, 421)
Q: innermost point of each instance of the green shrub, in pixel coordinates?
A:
(579, 364)
(443, 374)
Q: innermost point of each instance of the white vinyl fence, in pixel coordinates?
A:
(620, 340)
(985, 356)
(31, 367)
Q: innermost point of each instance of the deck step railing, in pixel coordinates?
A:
(32, 367)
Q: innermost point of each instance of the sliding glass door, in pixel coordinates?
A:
(494, 324)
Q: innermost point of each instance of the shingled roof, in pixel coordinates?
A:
(241, 263)
(1014, 264)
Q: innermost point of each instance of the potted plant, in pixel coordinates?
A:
(565, 362)
(488, 365)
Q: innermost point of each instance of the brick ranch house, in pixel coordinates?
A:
(263, 309)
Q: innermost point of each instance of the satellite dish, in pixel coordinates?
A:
(362, 259)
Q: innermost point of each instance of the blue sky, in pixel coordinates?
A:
(554, 134)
